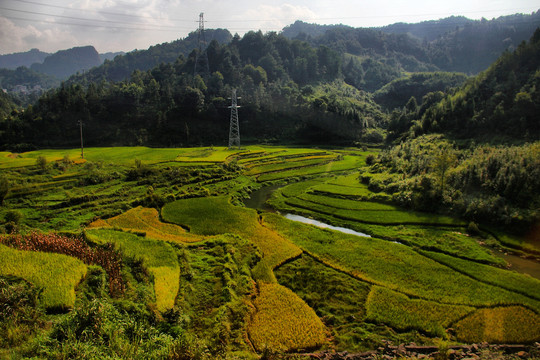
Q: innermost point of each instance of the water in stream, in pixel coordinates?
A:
(320, 224)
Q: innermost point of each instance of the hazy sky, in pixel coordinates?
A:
(124, 25)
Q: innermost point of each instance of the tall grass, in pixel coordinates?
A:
(57, 274)
(506, 279)
(76, 247)
(157, 256)
(338, 299)
(348, 163)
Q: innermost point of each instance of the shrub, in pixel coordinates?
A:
(41, 163)
(19, 313)
(4, 189)
(472, 229)
(370, 159)
(13, 216)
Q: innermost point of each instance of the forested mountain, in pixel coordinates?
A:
(27, 58)
(121, 67)
(398, 92)
(428, 30)
(290, 92)
(503, 100)
(451, 44)
(64, 63)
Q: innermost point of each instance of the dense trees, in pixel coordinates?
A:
(289, 91)
(484, 183)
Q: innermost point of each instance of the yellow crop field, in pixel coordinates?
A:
(147, 220)
(401, 312)
(216, 215)
(57, 274)
(284, 322)
(512, 324)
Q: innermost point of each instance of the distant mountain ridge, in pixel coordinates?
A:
(121, 67)
(64, 63)
(453, 44)
(36, 58)
(27, 58)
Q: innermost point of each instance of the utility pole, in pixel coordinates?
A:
(82, 147)
(201, 56)
(234, 129)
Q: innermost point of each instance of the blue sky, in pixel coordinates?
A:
(124, 25)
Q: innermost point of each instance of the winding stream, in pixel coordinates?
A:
(320, 224)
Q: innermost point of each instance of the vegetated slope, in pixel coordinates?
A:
(481, 183)
(451, 44)
(64, 63)
(502, 101)
(226, 295)
(24, 76)
(290, 92)
(396, 93)
(121, 67)
(6, 105)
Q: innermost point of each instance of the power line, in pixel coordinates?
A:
(338, 18)
(151, 27)
(96, 26)
(102, 12)
(78, 18)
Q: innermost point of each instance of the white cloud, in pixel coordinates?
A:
(20, 37)
(123, 25)
(269, 17)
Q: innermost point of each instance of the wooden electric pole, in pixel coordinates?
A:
(82, 147)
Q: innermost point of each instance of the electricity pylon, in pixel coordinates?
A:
(201, 56)
(234, 129)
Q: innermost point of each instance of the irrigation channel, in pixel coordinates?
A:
(259, 197)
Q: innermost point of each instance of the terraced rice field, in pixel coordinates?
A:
(157, 256)
(283, 322)
(253, 277)
(146, 220)
(56, 274)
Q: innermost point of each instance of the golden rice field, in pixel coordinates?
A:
(57, 274)
(284, 322)
(216, 215)
(402, 312)
(146, 220)
(512, 324)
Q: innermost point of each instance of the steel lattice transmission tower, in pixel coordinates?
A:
(234, 129)
(201, 56)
